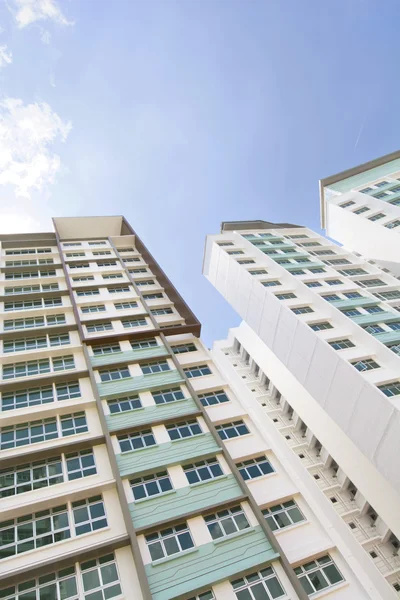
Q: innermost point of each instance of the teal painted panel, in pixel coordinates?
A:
(113, 389)
(163, 455)
(151, 414)
(209, 564)
(280, 246)
(383, 317)
(290, 255)
(184, 500)
(388, 337)
(309, 265)
(366, 177)
(129, 356)
(353, 302)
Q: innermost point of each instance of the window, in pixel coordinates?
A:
(27, 397)
(22, 305)
(166, 542)
(350, 312)
(107, 263)
(155, 296)
(100, 578)
(127, 323)
(226, 522)
(381, 184)
(26, 369)
(392, 295)
(184, 429)
(151, 485)
(125, 249)
(318, 574)
(283, 515)
(55, 319)
(28, 433)
(341, 344)
(370, 282)
(255, 467)
(316, 270)
(80, 464)
(209, 595)
(15, 324)
(366, 364)
(34, 531)
(334, 281)
(394, 326)
(145, 282)
(136, 441)
(68, 244)
(352, 272)
(83, 265)
(27, 289)
(18, 480)
(288, 296)
(337, 261)
(73, 254)
(112, 275)
(392, 224)
(352, 295)
(73, 424)
(63, 363)
(151, 343)
(380, 195)
(24, 344)
(271, 283)
(183, 348)
(101, 243)
(142, 270)
(114, 374)
(361, 210)
(373, 329)
(119, 289)
(204, 470)
(124, 404)
(247, 261)
(372, 310)
(89, 515)
(306, 244)
(162, 311)
(170, 395)
(225, 244)
(297, 272)
(94, 308)
(197, 371)
(133, 259)
(232, 430)
(155, 367)
(83, 278)
(347, 204)
(312, 284)
(102, 253)
(108, 349)
(258, 272)
(95, 327)
(260, 585)
(90, 292)
(390, 389)
(212, 398)
(331, 297)
(320, 326)
(302, 310)
(322, 252)
(377, 216)
(67, 391)
(125, 305)
(235, 252)
(59, 340)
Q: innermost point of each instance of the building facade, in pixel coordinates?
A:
(130, 468)
(316, 363)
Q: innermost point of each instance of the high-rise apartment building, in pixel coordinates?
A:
(316, 362)
(130, 468)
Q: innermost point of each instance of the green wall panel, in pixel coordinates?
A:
(209, 564)
(367, 176)
(163, 455)
(383, 317)
(151, 414)
(354, 302)
(128, 356)
(113, 389)
(184, 500)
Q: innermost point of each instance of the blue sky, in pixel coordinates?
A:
(180, 114)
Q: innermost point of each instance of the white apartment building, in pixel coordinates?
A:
(316, 365)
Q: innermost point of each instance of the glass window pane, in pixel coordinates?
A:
(90, 580)
(332, 574)
(259, 592)
(274, 587)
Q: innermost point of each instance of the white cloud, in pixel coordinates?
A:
(52, 80)
(5, 56)
(26, 135)
(21, 223)
(30, 11)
